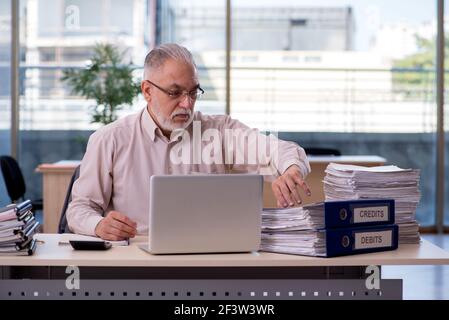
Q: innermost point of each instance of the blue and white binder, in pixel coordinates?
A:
(358, 213)
(348, 241)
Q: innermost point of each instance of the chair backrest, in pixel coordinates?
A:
(14, 182)
(322, 151)
(63, 225)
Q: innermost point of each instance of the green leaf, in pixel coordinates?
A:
(107, 80)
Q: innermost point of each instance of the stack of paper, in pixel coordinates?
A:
(306, 242)
(17, 227)
(346, 182)
(293, 230)
(309, 217)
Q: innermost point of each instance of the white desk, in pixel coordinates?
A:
(52, 254)
(242, 273)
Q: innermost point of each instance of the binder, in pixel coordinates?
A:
(27, 232)
(22, 228)
(23, 207)
(14, 224)
(16, 211)
(358, 213)
(17, 228)
(25, 244)
(28, 250)
(25, 215)
(341, 242)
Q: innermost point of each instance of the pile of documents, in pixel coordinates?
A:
(292, 230)
(347, 182)
(17, 227)
(330, 229)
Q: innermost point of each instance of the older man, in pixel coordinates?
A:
(110, 199)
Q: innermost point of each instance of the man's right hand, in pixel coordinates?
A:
(115, 227)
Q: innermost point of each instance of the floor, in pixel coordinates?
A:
(423, 282)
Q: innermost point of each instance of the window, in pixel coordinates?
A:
(200, 27)
(56, 34)
(5, 89)
(341, 74)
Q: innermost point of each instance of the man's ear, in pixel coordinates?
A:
(146, 90)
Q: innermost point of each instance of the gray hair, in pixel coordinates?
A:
(160, 54)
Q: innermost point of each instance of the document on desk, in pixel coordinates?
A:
(65, 239)
(350, 182)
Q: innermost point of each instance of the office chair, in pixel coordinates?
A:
(322, 152)
(63, 225)
(15, 184)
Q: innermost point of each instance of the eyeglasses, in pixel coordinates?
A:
(175, 94)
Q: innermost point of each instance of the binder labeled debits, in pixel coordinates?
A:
(332, 242)
(340, 242)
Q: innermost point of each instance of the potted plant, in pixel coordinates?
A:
(107, 80)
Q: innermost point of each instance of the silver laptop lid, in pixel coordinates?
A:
(205, 213)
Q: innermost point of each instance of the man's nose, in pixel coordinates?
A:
(186, 102)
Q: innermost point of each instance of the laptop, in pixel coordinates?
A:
(210, 213)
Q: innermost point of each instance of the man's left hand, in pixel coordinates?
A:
(284, 187)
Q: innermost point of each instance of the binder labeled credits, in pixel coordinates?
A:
(355, 213)
(340, 242)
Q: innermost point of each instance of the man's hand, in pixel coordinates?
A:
(284, 187)
(116, 226)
